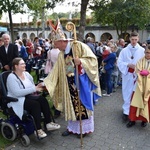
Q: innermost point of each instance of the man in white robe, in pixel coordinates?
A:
(127, 60)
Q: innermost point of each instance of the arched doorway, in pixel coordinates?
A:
(49, 36)
(125, 36)
(90, 34)
(77, 34)
(105, 36)
(32, 36)
(24, 36)
(40, 35)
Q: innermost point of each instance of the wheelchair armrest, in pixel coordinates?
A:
(10, 99)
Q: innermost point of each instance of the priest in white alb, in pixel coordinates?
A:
(127, 60)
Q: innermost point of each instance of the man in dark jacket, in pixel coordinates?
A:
(8, 52)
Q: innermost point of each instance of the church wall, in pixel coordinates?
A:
(144, 34)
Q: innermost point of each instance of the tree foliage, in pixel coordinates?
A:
(19, 6)
(11, 6)
(36, 7)
(39, 8)
(64, 15)
(122, 13)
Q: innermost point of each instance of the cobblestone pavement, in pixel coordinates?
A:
(110, 132)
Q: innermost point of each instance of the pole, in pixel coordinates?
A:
(71, 28)
(43, 22)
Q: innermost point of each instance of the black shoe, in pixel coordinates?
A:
(66, 133)
(130, 124)
(79, 135)
(143, 124)
(125, 117)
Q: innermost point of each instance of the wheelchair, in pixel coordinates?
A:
(12, 127)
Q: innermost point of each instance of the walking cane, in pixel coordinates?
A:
(71, 28)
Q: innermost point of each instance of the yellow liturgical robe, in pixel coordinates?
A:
(56, 82)
(142, 93)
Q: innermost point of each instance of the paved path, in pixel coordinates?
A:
(110, 132)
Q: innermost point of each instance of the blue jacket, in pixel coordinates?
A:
(23, 53)
(91, 46)
(110, 61)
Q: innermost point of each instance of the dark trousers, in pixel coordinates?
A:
(103, 81)
(108, 81)
(35, 107)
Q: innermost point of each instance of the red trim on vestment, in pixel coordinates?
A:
(79, 69)
(131, 70)
(132, 113)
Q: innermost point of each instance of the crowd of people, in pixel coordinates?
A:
(89, 67)
(127, 65)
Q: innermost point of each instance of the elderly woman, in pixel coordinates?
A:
(109, 63)
(140, 104)
(23, 85)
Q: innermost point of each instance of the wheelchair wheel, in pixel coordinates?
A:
(25, 141)
(8, 131)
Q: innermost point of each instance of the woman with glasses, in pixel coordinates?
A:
(23, 85)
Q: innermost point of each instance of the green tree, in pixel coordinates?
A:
(38, 9)
(35, 7)
(11, 7)
(63, 15)
(76, 15)
(122, 13)
(60, 15)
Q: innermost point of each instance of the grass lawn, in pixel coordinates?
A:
(5, 143)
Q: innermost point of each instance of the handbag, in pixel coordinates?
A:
(32, 96)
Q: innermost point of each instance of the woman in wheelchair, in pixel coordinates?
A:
(19, 84)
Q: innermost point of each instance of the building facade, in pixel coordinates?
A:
(98, 33)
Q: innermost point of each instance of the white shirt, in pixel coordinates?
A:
(6, 49)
